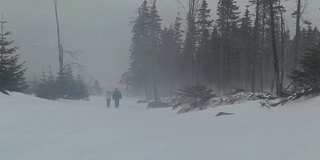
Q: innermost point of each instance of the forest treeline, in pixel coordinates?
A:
(255, 50)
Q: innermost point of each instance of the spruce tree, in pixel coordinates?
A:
(180, 59)
(215, 41)
(11, 71)
(166, 60)
(308, 77)
(81, 89)
(227, 22)
(65, 83)
(203, 55)
(246, 53)
(155, 32)
(46, 87)
(138, 74)
(96, 88)
(189, 49)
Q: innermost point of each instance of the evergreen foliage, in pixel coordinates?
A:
(139, 70)
(96, 89)
(64, 86)
(227, 23)
(196, 96)
(234, 52)
(308, 77)
(11, 71)
(203, 55)
(46, 87)
(81, 90)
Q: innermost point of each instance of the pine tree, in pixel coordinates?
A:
(11, 71)
(246, 36)
(46, 87)
(189, 49)
(180, 59)
(81, 89)
(170, 60)
(227, 22)
(138, 74)
(308, 77)
(166, 60)
(155, 32)
(65, 83)
(203, 55)
(215, 41)
(96, 88)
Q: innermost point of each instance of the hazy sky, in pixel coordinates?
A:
(98, 28)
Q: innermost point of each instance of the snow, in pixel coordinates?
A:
(36, 129)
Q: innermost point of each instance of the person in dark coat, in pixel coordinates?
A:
(116, 96)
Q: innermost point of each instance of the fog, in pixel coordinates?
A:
(98, 29)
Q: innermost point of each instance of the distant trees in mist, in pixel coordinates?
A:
(50, 86)
(254, 51)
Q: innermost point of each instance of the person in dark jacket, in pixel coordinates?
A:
(116, 96)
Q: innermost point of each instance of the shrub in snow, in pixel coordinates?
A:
(192, 97)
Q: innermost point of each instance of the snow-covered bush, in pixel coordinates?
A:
(192, 97)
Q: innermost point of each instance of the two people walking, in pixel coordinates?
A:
(116, 96)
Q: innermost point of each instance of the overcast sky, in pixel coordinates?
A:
(98, 28)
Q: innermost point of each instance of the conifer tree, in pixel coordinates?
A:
(155, 32)
(81, 89)
(46, 87)
(65, 83)
(96, 88)
(180, 59)
(246, 36)
(166, 60)
(203, 54)
(215, 41)
(308, 76)
(189, 49)
(138, 74)
(11, 71)
(170, 60)
(227, 22)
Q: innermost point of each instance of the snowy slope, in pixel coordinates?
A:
(37, 129)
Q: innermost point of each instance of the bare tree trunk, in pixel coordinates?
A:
(155, 89)
(244, 62)
(256, 49)
(263, 51)
(298, 12)
(221, 66)
(274, 49)
(191, 11)
(60, 48)
(282, 26)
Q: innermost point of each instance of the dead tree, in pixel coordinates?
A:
(60, 48)
(298, 16)
(256, 48)
(274, 50)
